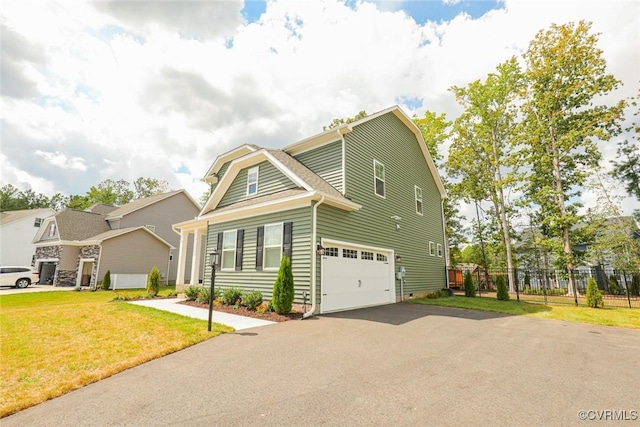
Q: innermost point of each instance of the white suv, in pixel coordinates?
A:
(18, 276)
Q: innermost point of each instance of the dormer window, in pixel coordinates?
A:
(252, 181)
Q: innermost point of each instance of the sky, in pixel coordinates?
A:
(121, 89)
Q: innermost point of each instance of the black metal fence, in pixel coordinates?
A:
(618, 288)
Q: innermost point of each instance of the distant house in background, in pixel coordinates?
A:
(76, 248)
(17, 229)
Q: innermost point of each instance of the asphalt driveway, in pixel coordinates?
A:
(395, 365)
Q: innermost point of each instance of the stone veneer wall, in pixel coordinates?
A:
(92, 251)
(50, 252)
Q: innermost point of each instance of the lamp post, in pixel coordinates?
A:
(213, 261)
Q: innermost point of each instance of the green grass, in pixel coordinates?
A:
(56, 342)
(608, 316)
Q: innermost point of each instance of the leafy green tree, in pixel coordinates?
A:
(435, 131)
(9, 200)
(337, 122)
(110, 192)
(78, 202)
(146, 187)
(106, 281)
(594, 296)
(472, 254)
(484, 146)
(502, 293)
(283, 292)
(469, 286)
(562, 117)
(153, 282)
(627, 165)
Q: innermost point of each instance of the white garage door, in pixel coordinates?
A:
(355, 277)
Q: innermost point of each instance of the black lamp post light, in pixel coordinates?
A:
(213, 261)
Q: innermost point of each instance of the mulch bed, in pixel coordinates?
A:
(243, 311)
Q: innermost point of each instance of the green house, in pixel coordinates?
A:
(357, 208)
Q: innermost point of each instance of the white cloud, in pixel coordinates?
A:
(126, 93)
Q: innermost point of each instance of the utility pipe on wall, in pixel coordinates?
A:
(314, 257)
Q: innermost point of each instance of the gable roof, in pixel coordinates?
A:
(290, 167)
(336, 133)
(79, 225)
(211, 176)
(11, 216)
(143, 203)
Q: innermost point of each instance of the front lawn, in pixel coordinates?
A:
(609, 316)
(55, 342)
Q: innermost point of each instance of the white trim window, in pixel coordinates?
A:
(378, 178)
(418, 193)
(439, 250)
(252, 181)
(229, 239)
(432, 249)
(52, 229)
(272, 246)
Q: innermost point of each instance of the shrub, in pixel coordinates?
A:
(594, 297)
(191, 293)
(614, 286)
(203, 295)
(106, 281)
(469, 287)
(502, 293)
(153, 282)
(442, 293)
(252, 299)
(282, 298)
(635, 285)
(231, 296)
(263, 308)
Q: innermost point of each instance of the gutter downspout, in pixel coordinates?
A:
(446, 246)
(344, 164)
(314, 257)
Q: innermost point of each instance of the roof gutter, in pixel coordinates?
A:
(314, 258)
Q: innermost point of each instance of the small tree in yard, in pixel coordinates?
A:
(469, 286)
(594, 297)
(153, 282)
(282, 298)
(502, 293)
(106, 281)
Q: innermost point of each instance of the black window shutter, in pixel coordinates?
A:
(286, 239)
(220, 237)
(259, 248)
(239, 247)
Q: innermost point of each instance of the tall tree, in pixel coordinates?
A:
(566, 77)
(337, 122)
(110, 192)
(484, 147)
(627, 165)
(436, 129)
(145, 187)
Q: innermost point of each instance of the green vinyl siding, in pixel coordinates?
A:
(389, 141)
(250, 278)
(270, 180)
(326, 162)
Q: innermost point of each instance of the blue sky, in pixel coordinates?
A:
(420, 10)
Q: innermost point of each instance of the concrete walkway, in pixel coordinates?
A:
(171, 304)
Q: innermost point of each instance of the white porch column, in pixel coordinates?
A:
(182, 257)
(197, 257)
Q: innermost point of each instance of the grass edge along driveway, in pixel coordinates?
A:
(56, 342)
(608, 316)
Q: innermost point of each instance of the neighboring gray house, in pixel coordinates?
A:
(76, 248)
(17, 229)
(352, 206)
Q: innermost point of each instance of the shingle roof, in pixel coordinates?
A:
(100, 208)
(304, 173)
(140, 203)
(80, 225)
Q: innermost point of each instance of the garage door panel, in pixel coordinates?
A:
(349, 283)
